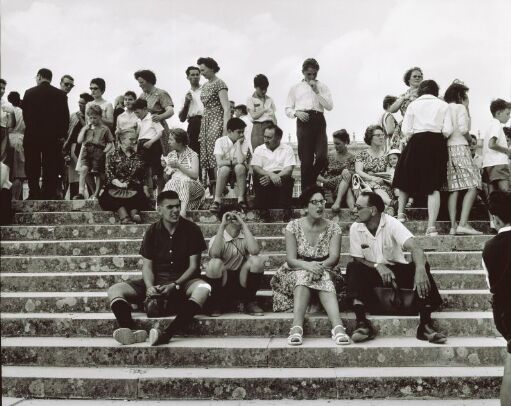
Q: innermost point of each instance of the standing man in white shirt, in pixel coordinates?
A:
(273, 164)
(193, 108)
(307, 101)
(261, 109)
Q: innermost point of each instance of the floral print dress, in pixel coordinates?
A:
(336, 166)
(286, 279)
(374, 165)
(398, 140)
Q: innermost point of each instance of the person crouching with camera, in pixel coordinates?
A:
(171, 252)
(235, 269)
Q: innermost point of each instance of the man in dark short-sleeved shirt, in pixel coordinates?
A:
(171, 252)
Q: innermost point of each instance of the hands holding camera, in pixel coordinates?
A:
(231, 215)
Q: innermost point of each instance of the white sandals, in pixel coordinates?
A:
(295, 336)
(339, 335)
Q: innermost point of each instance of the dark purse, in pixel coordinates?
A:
(395, 301)
(157, 306)
(119, 193)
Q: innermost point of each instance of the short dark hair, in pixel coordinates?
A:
(190, 68)
(507, 131)
(147, 75)
(66, 76)
(167, 194)
(241, 107)
(45, 73)
(342, 135)
(3, 82)
(95, 110)
(131, 93)
(309, 192)
(428, 87)
(261, 81)
(180, 135)
(139, 104)
(278, 131)
(226, 208)
(99, 82)
(388, 101)
(235, 123)
(14, 98)
(500, 205)
(87, 97)
(310, 63)
(209, 63)
(408, 74)
(369, 134)
(498, 105)
(456, 93)
(374, 199)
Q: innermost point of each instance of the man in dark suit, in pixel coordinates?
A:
(46, 116)
(497, 262)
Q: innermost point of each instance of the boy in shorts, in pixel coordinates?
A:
(97, 141)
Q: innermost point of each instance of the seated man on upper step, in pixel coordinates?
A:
(235, 269)
(171, 252)
(377, 242)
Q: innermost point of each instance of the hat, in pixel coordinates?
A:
(394, 151)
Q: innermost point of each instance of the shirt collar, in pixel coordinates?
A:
(147, 117)
(505, 229)
(227, 236)
(280, 146)
(383, 222)
(427, 96)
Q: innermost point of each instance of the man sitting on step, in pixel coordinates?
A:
(235, 269)
(171, 251)
(497, 262)
(377, 242)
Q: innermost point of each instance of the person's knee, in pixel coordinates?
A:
(223, 172)
(215, 268)
(256, 263)
(116, 291)
(201, 292)
(240, 170)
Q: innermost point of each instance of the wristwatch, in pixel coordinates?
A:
(375, 265)
(177, 286)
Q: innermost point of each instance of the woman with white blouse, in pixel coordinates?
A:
(421, 170)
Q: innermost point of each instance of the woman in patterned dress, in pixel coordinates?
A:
(125, 191)
(313, 246)
(217, 111)
(341, 166)
(159, 103)
(412, 78)
(371, 164)
(182, 164)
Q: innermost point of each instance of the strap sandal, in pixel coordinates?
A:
(402, 217)
(339, 335)
(79, 196)
(431, 232)
(127, 220)
(215, 208)
(295, 336)
(242, 206)
(336, 209)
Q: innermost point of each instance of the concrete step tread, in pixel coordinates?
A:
(115, 373)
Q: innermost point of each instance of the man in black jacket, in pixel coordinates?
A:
(46, 116)
(497, 262)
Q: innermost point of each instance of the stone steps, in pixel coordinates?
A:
(56, 302)
(253, 383)
(118, 231)
(457, 324)
(100, 281)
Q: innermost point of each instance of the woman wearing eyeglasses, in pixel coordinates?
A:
(313, 245)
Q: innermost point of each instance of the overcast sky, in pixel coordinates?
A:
(362, 46)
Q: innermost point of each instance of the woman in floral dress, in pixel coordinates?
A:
(313, 246)
(217, 111)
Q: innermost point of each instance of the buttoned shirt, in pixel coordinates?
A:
(127, 120)
(234, 252)
(427, 113)
(226, 148)
(195, 108)
(385, 247)
(302, 97)
(490, 156)
(148, 129)
(256, 105)
(273, 161)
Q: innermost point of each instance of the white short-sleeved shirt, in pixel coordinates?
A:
(490, 156)
(148, 129)
(226, 148)
(386, 247)
(427, 113)
(255, 105)
(127, 120)
(273, 161)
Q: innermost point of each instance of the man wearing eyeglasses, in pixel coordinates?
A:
(67, 83)
(377, 245)
(307, 101)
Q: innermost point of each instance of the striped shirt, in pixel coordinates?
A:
(234, 252)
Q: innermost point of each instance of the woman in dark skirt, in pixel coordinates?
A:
(422, 168)
(125, 192)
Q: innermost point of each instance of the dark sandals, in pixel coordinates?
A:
(426, 332)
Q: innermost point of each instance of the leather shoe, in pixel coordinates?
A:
(253, 309)
(364, 331)
(426, 332)
(157, 337)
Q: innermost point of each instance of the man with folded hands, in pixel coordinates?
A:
(377, 245)
(171, 252)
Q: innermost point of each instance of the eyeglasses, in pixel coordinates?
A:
(318, 202)
(94, 88)
(67, 84)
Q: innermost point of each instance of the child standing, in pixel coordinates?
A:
(97, 141)
(496, 153)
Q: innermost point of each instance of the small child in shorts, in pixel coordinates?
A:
(97, 141)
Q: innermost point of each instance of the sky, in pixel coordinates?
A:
(363, 48)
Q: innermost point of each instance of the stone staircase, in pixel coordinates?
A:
(59, 258)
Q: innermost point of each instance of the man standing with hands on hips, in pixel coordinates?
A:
(307, 101)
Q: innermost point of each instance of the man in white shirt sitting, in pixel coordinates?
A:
(377, 242)
(231, 155)
(273, 164)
